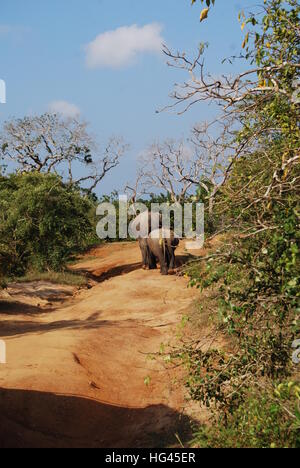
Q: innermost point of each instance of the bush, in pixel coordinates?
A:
(43, 222)
(267, 419)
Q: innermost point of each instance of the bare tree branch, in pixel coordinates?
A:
(50, 143)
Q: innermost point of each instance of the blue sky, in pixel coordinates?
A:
(44, 60)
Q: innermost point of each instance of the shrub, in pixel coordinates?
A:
(43, 222)
(266, 419)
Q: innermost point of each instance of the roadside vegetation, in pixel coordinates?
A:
(252, 386)
(50, 168)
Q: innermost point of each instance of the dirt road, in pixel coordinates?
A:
(78, 365)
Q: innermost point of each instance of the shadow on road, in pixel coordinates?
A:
(103, 274)
(21, 327)
(30, 419)
(18, 308)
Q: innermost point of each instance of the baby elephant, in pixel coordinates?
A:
(161, 245)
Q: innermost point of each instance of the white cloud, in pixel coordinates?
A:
(118, 48)
(64, 108)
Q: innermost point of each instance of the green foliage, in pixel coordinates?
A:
(43, 222)
(266, 419)
(277, 40)
(257, 277)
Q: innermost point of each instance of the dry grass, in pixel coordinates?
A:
(66, 278)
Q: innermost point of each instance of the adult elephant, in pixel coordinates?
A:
(161, 245)
(141, 227)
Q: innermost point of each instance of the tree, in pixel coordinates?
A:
(273, 47)
(181, 169)
(171, 167)
(51, 144)
(256, 275)
(43, 222)
(260, 101)
(215, 155)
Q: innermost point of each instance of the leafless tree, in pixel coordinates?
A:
(180, 168)
(102, 163)
(225, 91)
(135, 190)
(171, 167)
(236, 96)
(239, 98)
(214, 155)
(50, 143)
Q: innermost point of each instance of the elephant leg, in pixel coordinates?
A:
(172, 258)
(148, 258)
(163, 260)
(144, 251)
(151, 260)
(158, 251)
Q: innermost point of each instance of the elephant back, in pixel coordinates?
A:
(147, 222)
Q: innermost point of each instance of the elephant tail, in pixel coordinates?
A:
(163, 244)
(175, 242)
(165, 248)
